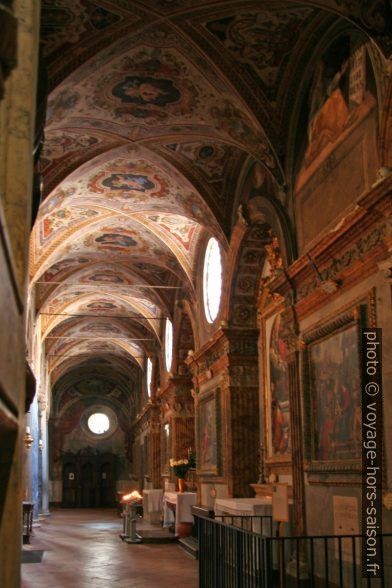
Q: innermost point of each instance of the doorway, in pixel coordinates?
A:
(89, 481)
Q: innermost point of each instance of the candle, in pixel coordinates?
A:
(28, 430)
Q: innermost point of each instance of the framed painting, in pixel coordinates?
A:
(208, 434)
(333, 376)
(276, 392)
(165, 444)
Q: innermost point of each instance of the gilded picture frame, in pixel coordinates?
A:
(208, 428)
(332, 378)
(276, 403)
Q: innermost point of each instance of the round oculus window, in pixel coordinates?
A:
(98, 423)
(168, 344)
(212, 280)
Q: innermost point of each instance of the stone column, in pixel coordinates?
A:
(294, 345)
(33, 460)
(44, 455)
(243, 408)
(177, 409)
(226, 370)
(155, 454)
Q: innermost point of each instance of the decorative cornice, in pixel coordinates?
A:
(358, 246)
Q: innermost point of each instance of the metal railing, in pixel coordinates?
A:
(261, 524)
(231, 556)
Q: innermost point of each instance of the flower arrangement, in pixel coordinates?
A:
(179, 467)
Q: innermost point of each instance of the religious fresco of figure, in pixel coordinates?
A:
(115, 239)
(149, 85)
(340, 94)
(110, 277)
(128, 182)
(277, 406)
(100, 328)
(127, 179)
(208, 453)
(101, 305)
(335, 395)
(143, 90)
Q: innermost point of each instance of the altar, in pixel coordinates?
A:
(152, 505)
(260, 506)
(251, 507)
(177, 511)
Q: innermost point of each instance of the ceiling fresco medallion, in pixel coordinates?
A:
(149, 87)
(128, 180)
(108, 276)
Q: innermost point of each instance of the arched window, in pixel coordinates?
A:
(168, 344)
(149, 376)
(212, 280)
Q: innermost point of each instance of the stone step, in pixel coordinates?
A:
(190, 545)
(156, 536)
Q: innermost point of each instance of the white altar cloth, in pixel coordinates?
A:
(183, 503)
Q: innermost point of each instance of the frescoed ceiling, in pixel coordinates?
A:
(155, 109)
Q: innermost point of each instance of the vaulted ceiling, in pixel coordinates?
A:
(155, 108)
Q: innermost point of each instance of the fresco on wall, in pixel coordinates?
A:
(336, 396)
(339, 95)
(279, 390)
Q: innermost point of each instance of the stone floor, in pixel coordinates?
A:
(83, 549)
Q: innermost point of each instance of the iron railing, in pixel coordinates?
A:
(232, 556)
(261, 524)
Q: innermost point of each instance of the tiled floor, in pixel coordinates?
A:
(82, 549)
